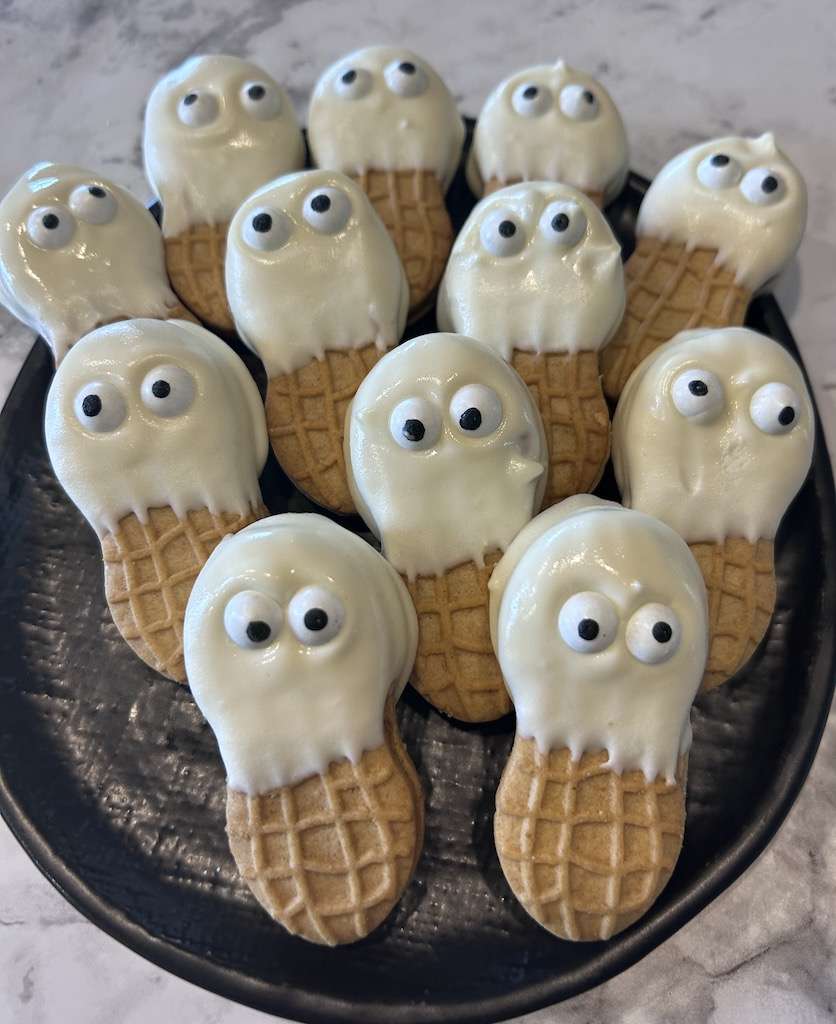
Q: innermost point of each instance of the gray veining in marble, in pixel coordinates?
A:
(73, 78)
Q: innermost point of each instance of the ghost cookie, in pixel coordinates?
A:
(216, 129)
(383, 116)
(299, 639)
(76, 252)
(549, 123)
(156, 432)
(446, 460)
(718, 222)
(536, 274)
(318, 292)
(714, 435)
(598, 615)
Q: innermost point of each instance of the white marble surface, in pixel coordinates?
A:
(73, 77)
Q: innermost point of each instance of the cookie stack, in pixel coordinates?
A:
(501, 582)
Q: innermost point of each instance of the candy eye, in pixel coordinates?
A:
(99, 407)
(50, 227)
(353, 83)
(719, 171)
(266, 229)
(261, 99)
(775, 408)
(197, 109)
(327, 210)
(477, 410)
(406, 78)
(563, 223)
(588, 622)
(762, 186)
(653, 634)
(252, 620)
(315, 615)
(502, 234)
(415, 424)
(168, 391)
(530, 100)
(578, 102)
(698, 394)
(93, 203)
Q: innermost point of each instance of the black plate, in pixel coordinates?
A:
(112, 783)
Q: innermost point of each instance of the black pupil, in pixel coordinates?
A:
(414, 430)
(507, 228)
(160, 389)
(262, 222)
(320, 203)
(349, 76)
(588, 629)
(50, 221)
(786, 415)
(316, 619)
(769, 183)
(97, 191)
(719, 160)
(662, 632)
(530, 91)
(588, 96)
(560, 222)
(470, 419)
(698, 388)
(190, 98)
(258, 631)
(256, 92)
(91, 405)
(407, 67)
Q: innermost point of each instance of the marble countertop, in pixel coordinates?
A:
(74, 77)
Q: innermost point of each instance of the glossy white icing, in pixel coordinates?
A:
(454, 494)
(200, 442)
(286, 708)
(546, 296)
(377, 126)
(715, 474)
(329, 280)
(611, 698)
(559, 134)
(203, 165)
(755, 231)
(102, 258)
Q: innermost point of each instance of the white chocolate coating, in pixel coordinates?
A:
(210, 456)
(756, 241)
(317, 291)
(105, 271)
(717, 479)
(609, 700)
(545, 298)
(382, 130)
(203, 173)
(462, 496)
(285, 711)
(591, 155)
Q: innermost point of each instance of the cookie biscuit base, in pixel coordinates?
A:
(567, 390)
(149, 571)
(329, 857)
(670, 288)
(195, 260)
(494, 185)
(305, 413)
(412, 208)
(740, 580)
(584, 849)
(456, 669)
